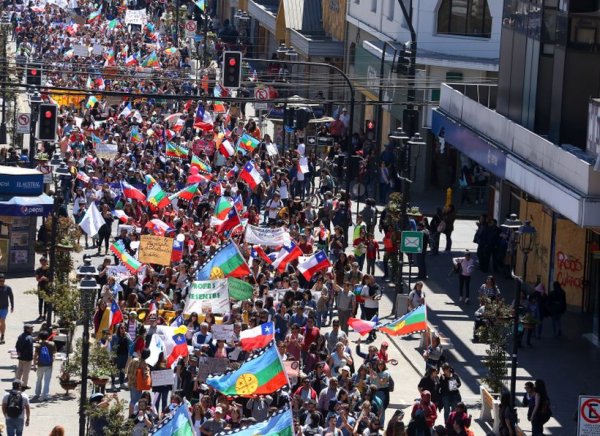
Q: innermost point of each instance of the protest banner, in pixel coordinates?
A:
(223, 332)
(119, 272)
(106, 151)
(211, 365)
(267, 236)
(155, 249)
(207, 295)
(138, 16)
(162, 378)
(240, 290)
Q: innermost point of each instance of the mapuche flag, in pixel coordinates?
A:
(130, 262)
(227, 262)
(261, 374)
(279, 424)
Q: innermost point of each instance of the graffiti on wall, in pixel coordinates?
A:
(569, 270)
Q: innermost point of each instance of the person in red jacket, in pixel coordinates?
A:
(426, 408)
(305, 391)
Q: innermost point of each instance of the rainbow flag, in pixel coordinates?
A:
(94, 15)
(413, 322)
(226, 262)
(201, 165)
(222, 208)
(151, 60)
(130, 262)
(248, 143)
(186, 194)
(91, 101)
(175, 150)
(157, 198)
(261, 374)
(279, 424)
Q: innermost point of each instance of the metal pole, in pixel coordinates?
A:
(3, 136)
(380, 98)
(515, 350)
(85, 354)
(177, 7)
(205, 62)
(53, 237)
(408, 13)
(34, 116)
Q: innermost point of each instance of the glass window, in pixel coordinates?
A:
(390, 11)
(374, 5)
(464, 17)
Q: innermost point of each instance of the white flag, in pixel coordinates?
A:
(92, 221)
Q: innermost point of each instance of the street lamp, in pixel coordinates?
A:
(56, 160)
(87, 268)
(525, 239)
(88, 288)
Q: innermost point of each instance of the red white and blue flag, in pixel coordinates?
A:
(314, 264)
(180, 349)
(287, 254)
(231, 221)
(130, 191)
(177, 253)
(250, 175)
(362, 326)
(120, 215)
(257, 337)
(116, 316)
(258, 252)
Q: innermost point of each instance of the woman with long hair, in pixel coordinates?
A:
(541, 411)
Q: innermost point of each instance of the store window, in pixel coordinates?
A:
(464, 17)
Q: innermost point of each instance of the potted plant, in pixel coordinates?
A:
(495, 331)
(101, 366)
(115, 415)
(71, 367)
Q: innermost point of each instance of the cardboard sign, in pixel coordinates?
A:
(162, 378)
(292, 369)
(97, 49)
(138, 17)
(155, 249)
(223, 332)
(211, 365)
(208, 296)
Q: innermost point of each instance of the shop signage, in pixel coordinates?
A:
(22, 184)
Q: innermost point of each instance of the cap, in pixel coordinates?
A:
(17, 381)
(97, 397)
(385, 344)
(132, 313)
(28, 326)
(345, 368)
(219, 410)
(1, 276)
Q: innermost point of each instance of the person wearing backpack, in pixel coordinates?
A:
(24, 349)
(15, 407)
(43, 358)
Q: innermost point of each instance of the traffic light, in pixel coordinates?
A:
(34, 74)
(232, 69)
(404, 61)
(303, 116)
(47, 122)
(410, 121)
(370, 129)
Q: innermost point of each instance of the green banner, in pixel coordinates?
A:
(240, 290)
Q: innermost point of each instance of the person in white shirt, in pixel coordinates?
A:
(274, 205)
(464, 266)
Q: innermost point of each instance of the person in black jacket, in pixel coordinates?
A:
(449, 389)
(557, 306)
(24, 349)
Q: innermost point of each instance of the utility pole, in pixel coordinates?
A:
(3, 135)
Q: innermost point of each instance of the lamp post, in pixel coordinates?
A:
(59, 172)
(525, 239)
(88, 288)
(34, 102)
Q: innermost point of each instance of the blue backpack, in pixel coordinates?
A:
(45, 358)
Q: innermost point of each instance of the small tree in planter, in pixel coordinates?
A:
(101, 366)
(115, 416)
(495, 331)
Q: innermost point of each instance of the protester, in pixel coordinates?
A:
(6, 298)
(15, 407)
(44, 358)
(24, 347)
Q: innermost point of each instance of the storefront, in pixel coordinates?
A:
(21, 202)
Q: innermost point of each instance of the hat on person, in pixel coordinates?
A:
(345, 368)
(219, 410)
(17, 383)
(385, 344)
(132, 313)
(97, 397)
(28, 326)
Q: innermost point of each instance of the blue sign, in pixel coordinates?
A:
(470, 143)
(21, 184)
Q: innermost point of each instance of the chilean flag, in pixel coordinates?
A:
(238, 203)
(251, 176)
(115, 314)
(122, 216)
(363, 327)
(203, 119)
(177, 253)
(257, 252)
(158, 227)
(131, 192)
(230, 222)
(286, 255)
(313, 264)
(226, 149)
(257, 337)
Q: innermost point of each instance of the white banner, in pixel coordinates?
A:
(106, 151)
(136, 16)
(208, 295)
(267, 236)
(81, 50)
(119, 272)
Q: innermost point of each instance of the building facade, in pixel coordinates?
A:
(530, 135)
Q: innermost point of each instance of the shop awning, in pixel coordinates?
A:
(26, 206)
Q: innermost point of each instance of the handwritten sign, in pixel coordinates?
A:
(136, 17)
(155, 249)
(106, 150)
(119, 272)
(162, 378)
(81, 50)
(208, 296)
(223, 332)
(292, 369)
(211, 365)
